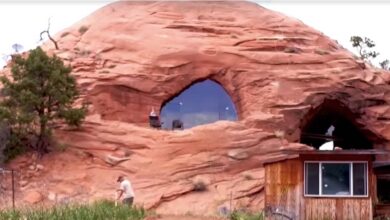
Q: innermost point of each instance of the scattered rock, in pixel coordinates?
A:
(29, 174)
(23, 183)
(52, 196)
(33, 197)
(40, 167)
(122, 153)
(31, 167)
(361, 63)
(238, 154)
(112, 160)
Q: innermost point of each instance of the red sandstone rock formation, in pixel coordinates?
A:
(130, 56)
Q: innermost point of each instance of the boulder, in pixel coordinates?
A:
(238, 154)
(40, 167)
(33, 197)
(23, 183)
(52, 196)
(112, 160)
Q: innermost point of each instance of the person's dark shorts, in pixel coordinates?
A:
(128, 201)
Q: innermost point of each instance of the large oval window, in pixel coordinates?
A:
(202, 103)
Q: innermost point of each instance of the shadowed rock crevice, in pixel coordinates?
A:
(332, 120)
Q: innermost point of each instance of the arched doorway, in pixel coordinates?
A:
(201, 103)
(333, 121)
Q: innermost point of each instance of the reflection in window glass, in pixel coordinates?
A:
(359, 179)
(312, 179)
(202, 103)
(335, 179)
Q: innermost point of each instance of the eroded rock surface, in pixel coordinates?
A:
(275, 68)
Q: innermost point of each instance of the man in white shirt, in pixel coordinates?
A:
(125, 190)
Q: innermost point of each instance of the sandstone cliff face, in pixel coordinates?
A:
(131, 56)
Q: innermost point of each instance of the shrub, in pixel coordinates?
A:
(241, 215)
(248, 176)
(321, 52)
(382, 218)
(14, 147)
(127, 152)
(83, 29)
(100, 210)
(64, 34)
(74, 117)
(292, 50)
(61, 146)
(84, 53)
(199, 186)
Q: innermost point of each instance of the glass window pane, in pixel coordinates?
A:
(312, 179)
(202, 103)
(335, 179)
(359, 179)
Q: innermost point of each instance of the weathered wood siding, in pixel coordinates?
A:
(284, 190)
(337, 208)
(282, 186)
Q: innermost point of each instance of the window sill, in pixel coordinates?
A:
(336, 196)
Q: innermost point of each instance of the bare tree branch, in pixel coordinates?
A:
(48, 34)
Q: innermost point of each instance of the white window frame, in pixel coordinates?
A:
(350, 179)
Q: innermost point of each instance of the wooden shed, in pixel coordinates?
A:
(322, 185)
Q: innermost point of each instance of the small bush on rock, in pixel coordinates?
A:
(241, 215)
(292, 50)
(199, 186)
(83, 29)
(64, 34)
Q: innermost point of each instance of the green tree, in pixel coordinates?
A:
(365, 47)
(38, 93)
(385, 64)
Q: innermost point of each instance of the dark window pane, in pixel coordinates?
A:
(335, 179)
(202, 103)
(359, 179)
(383, 190)
(312, 179)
